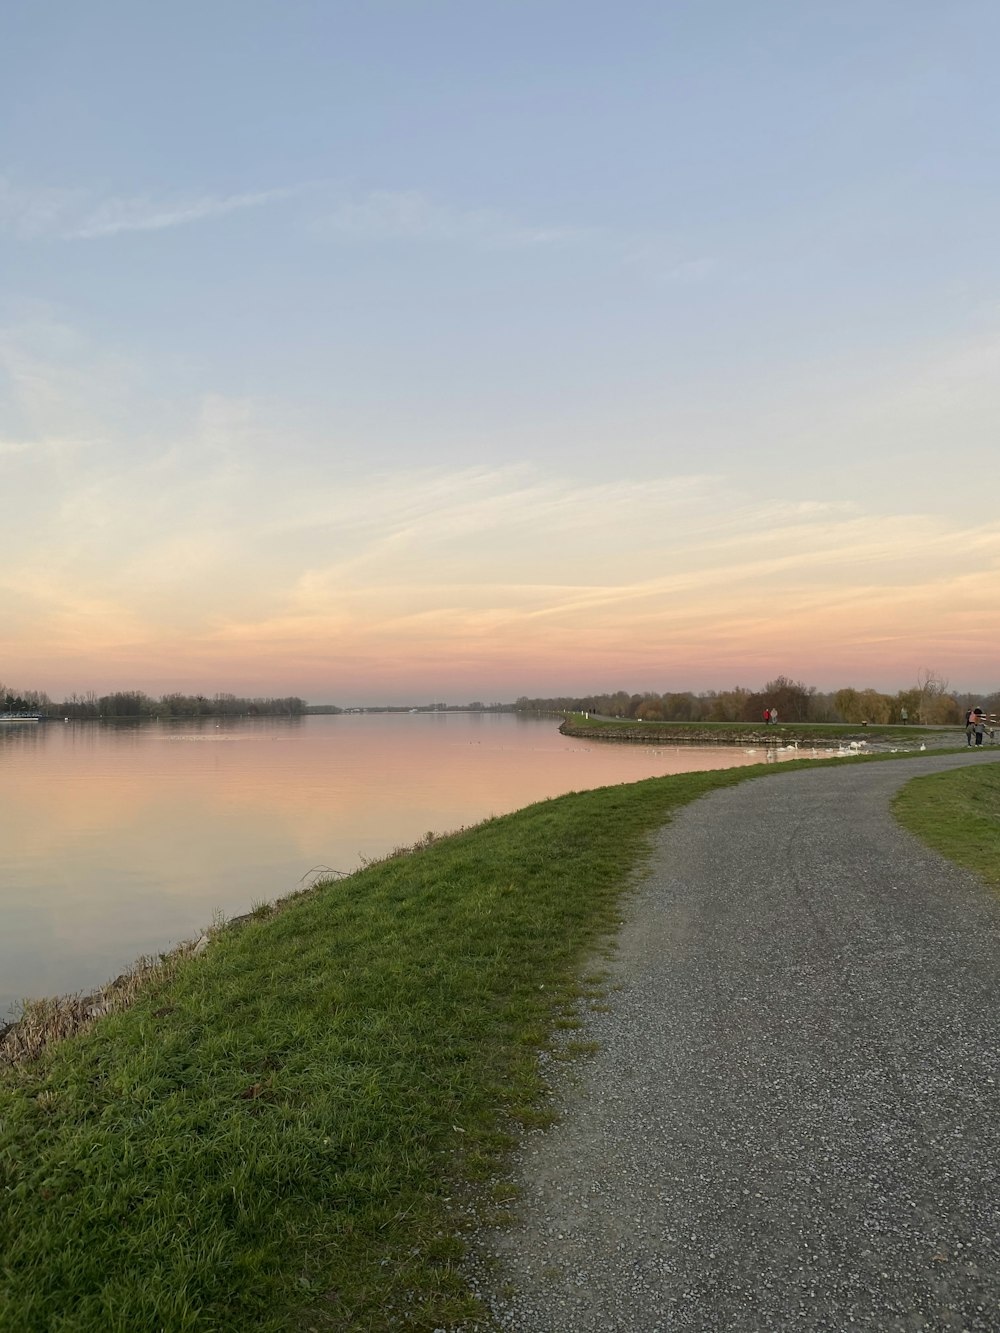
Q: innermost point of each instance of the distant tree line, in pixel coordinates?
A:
(929, 701)
(477, 706)
(136, 703)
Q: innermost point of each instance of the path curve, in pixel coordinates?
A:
(793, 1119)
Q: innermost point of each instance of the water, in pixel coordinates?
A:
(120, 840)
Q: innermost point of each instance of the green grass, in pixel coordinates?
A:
(278, 1137)
(958, 814)
(286, 1133)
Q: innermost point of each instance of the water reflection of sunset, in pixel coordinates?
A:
(119, 841)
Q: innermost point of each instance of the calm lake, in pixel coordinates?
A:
(121, 839)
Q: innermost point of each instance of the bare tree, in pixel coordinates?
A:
(930, 688)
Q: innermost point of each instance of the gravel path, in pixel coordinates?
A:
(793, 1120)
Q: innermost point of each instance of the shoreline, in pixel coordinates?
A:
(868, 740)
(50, 1019)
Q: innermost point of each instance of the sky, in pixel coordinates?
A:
(423, 350)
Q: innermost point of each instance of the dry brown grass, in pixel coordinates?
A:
(43, 1022)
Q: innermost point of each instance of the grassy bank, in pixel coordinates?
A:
(283, 1134)
(276, 1137)
(958, 814)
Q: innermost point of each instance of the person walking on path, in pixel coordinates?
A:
(975, 726)
(767, 717)
(792, 1118)
(774, 716)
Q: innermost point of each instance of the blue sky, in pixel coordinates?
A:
(497, 348)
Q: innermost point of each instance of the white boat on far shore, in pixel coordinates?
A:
(20, 717)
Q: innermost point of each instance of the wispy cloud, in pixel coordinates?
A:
(186, 540)
(33, 212)
(8, 448)
(41, 212)
(416, 217)
(432, 564)
(411, 215)
(665, 260)
(145, 213)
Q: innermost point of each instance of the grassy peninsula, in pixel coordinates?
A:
(742, 733)
(287, 1133)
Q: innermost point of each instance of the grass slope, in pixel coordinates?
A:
(271, 1139)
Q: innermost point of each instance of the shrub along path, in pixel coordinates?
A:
(793, 1118)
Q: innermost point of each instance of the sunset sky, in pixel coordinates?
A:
(428, 349)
